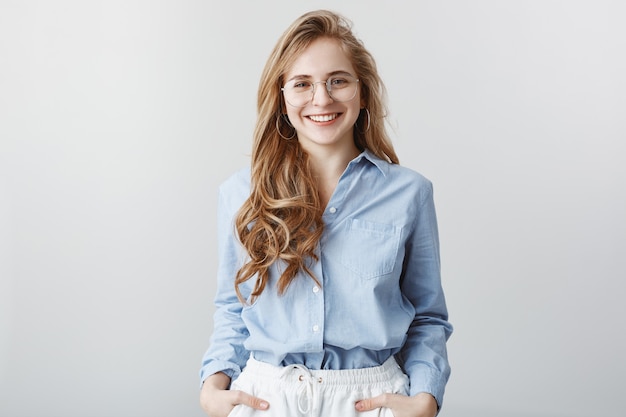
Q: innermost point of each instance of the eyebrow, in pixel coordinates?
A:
(330, 74)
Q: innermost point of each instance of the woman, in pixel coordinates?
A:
(329, 299)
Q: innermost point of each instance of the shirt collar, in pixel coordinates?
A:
(381, 164)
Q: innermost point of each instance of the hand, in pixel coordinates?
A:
(420, 405)
(218, 401)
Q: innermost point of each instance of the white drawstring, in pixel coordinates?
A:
(306, 388)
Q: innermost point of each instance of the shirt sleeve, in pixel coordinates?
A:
(226, 352)
(424, 356)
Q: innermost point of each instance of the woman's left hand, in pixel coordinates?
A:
(420, 405)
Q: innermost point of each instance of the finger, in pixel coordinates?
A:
(374, 402)
(251, 401)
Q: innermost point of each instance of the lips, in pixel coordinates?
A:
(323, 117)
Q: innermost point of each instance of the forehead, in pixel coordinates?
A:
(322, 57)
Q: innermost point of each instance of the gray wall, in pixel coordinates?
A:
(118, 119)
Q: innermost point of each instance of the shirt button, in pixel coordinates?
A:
(333, 210)
(316, 328)
(316, 289)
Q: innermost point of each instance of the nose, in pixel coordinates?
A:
(321, 96)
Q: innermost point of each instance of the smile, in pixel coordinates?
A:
(324, 117)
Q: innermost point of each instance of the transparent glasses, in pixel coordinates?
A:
(300, 92)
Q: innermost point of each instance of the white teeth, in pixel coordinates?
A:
(324, 118)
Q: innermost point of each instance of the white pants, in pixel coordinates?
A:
(296, 391)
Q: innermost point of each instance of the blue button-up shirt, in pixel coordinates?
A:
(380, 292)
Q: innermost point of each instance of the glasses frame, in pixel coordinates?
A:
(328, 90)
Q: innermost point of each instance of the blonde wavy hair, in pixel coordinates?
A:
(281, 221)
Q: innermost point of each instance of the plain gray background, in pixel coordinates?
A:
(118, 120)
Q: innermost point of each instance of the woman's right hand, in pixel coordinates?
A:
(218, 401)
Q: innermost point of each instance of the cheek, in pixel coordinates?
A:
(356, 110)
(293, 114)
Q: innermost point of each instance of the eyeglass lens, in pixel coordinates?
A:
(299, 93)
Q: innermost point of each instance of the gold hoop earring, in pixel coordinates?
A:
(289, 124)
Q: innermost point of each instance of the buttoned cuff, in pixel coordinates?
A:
(426, 379)
(229, 368)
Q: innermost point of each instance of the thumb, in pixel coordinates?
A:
(370, 403)
(253, 402)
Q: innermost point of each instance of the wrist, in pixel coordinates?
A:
(428, 401)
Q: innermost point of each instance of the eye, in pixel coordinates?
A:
(339, 82)
(301, 85)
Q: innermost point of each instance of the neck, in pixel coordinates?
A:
(328, 164)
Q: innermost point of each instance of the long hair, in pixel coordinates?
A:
(281, 221)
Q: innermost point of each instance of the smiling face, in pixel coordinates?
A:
(323, 122)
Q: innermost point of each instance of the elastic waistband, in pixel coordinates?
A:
(388, 371)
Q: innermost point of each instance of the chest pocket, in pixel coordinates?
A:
(370, 249)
